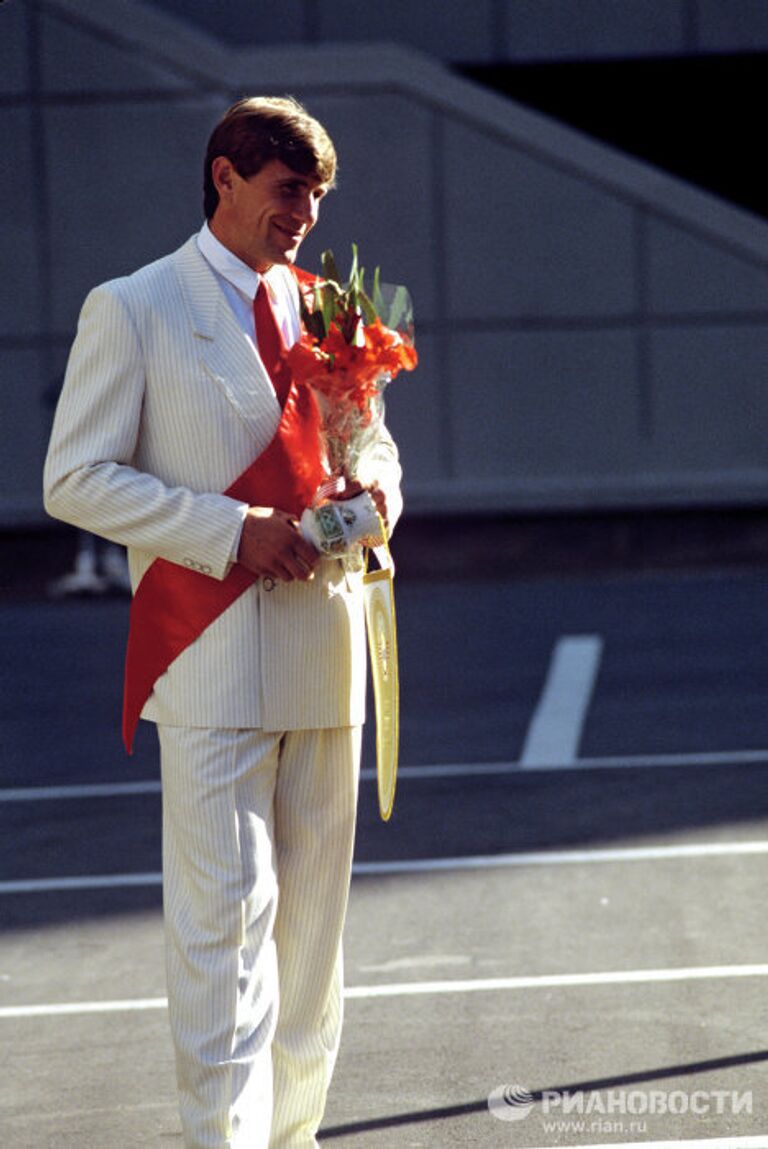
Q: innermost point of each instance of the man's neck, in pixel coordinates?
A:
(219, 232)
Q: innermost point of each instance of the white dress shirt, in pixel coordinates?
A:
(239, 282)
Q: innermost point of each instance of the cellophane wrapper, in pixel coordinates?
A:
(348, 434)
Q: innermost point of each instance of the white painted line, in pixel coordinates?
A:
(431, 770)
(555, 730)
(445, 770)
(555, 981)
(562, 858)
(428, 988)
(714, 758)
(67, 1008)
(429, 865)
(631, 761)
(758, 1142)
(86, 882)
(87, 790)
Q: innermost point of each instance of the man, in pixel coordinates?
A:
(172, 399)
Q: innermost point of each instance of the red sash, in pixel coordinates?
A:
(173, 605)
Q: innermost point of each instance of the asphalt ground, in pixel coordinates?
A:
(579, 938)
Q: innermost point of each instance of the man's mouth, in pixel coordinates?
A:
(289, 234)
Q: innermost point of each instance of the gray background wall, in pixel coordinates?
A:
(592, 332)
(493, 30)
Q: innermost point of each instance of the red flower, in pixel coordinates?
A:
(346, 372)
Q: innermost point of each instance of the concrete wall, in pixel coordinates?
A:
(592, 332)
(492, 31)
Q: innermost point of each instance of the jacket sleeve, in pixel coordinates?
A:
(90, 479)
(380, 463)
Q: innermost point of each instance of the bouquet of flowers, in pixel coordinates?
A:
(353, 344)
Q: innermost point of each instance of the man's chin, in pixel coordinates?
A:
(286, 256)
(285, 248)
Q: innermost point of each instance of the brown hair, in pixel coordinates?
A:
(262, 128)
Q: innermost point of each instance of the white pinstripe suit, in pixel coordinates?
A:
(165, 403)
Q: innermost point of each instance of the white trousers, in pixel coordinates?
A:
(258, 834)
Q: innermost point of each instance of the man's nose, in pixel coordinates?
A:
(307, 211)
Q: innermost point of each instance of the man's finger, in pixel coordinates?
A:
(305, 553)
(295, 563)
(380, 501)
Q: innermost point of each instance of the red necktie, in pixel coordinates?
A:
(270, 343)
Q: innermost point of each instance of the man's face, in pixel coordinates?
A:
(265, 218)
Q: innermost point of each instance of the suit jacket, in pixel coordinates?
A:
(164, 404)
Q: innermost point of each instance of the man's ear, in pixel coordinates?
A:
(223, 175)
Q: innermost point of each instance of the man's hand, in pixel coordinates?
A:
(353, 488)
(271, 546)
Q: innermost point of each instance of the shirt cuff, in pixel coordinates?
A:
(243, 509)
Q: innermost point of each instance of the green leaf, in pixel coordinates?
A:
(400, 307)
(353, 269)
(330, 270)
(329, 297)
(313, 320)
(377, 299)
(370, 314)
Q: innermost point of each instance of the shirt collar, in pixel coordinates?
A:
(227, 264)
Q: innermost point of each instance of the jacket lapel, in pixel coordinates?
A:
(227, 355)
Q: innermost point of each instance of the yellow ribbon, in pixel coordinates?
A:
(379, 598)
